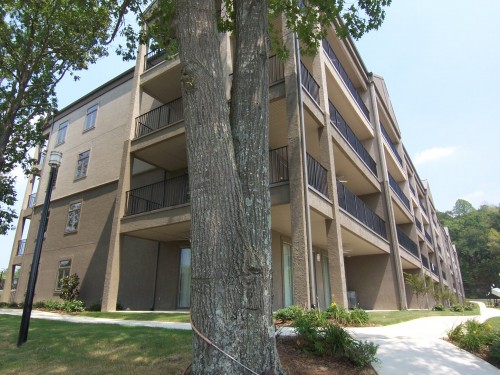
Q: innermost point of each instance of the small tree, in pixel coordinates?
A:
(417, 285)
(70, 287)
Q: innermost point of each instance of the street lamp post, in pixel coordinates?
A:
(54, 163)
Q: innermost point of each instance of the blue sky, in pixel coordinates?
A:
(440, 60)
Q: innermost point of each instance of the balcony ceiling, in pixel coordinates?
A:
(170, 154)
(163, 81)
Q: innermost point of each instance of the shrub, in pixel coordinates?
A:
(53, 305)
(69, 287)
(338, 313)
(457, 308)
(288, 313)
(495, 351)
(308, 324)
(39, 305)
(362, 353)
(359, 316)
(469, 306)
(14, 305)
(438, 307)
(73, 306)
(472, 335)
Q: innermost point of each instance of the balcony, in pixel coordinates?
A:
(153, 58)
(407, 243)
(391, 145)
(167, 193)
(425, 261)
(278, 165)
(357, 208)
(434, 269)
(317, 176)
(419, 225)
(394, 185)
(309, 83)
(422, 206)
(412, 190)
(276, 70)
(158, 118)
(341, 125)
(428, 236)
(347, 81)
(31, 200)
(21, 245)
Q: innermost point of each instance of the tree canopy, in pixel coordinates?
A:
(476, 234)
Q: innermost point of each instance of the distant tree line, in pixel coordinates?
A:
(476, 234)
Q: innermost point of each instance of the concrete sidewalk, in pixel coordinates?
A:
(415, 347)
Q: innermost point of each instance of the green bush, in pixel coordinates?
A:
(495, 350)
(73, 306)
(39, 305)
(438, 307)
(359, 316)
(338, 313)
(288, 313)
(94, 307)
(457, 308)
(469, 306)
(53, 305)
(472, 335)
(69, 287)
(4, 305)
(362, 353)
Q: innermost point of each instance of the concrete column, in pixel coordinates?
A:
(300, 262)
(112, 277)
(386, 195)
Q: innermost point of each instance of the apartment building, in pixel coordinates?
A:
(350, 214)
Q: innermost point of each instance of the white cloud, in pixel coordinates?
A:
(478, 198)
(433, 154)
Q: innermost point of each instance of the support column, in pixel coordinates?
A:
(112, 276)
(300, 262)
(393, 237)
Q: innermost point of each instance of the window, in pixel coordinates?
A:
(82, 164)
(91, 118)
(61, 133)
(63, 271)
(185, 279)
(287, 275)
(16, 273)
(73, 217)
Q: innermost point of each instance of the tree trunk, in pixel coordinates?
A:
(230, 225)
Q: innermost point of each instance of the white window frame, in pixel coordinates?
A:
(91, 118)
(61, 132)
(74, 208)
(66, 271)
(82, 164)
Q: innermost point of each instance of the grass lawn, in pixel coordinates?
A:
(56, 347)
(156, 317)
(495, 323)
(385, 318)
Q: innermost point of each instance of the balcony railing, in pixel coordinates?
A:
(391, 145)
(357, 208)
(412, 190)
(341, 125)
(153, 58)
(276, 70)
(407, 243)
(422, 206)
(278, 165)
(317, 175)
(31, 200)
(309, 83)
(425, 261)
(345, 77)
(399, 192)
(419, 225)
(160, 117)
(21, 245)
(167, 193)
(428, 236)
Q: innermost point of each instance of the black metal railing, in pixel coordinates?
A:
(419, 225)
(345, 77)
(21, 245)
(317, 175)
(278, 165)
(309, 83)
(351, 203)
(160, 117)
(412, 190)
(31, 200)
(341, 125)
(276, 70)
(407, 243)
(391, 145)
(399, 192)
(425, 261)
(428, 236)
(153, 58)
(422, 206)
(167, 193)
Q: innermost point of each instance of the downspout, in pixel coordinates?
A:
(312, 275)
(153, 306)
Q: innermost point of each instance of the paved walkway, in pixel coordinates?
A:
(410, 348)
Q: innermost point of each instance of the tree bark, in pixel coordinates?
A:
(230, 225)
